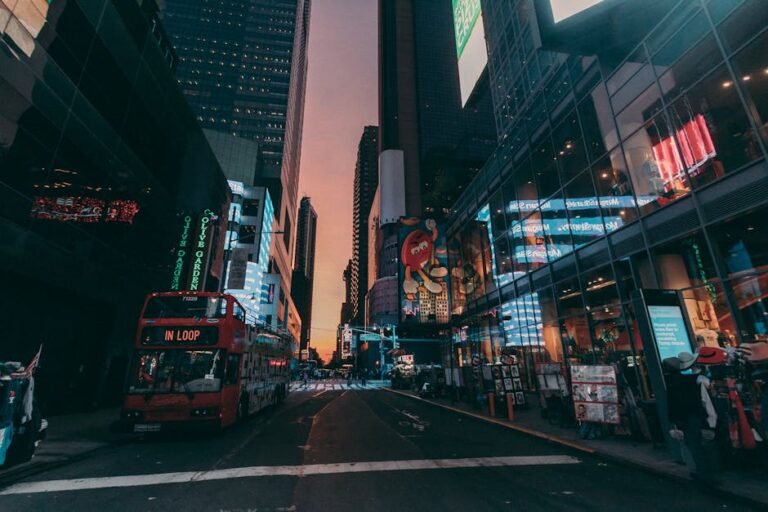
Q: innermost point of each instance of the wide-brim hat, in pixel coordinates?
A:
(711, 355)
(672, 363)
(686, 360)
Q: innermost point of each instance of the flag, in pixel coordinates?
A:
(30, 368)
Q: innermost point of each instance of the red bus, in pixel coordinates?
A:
(197, 362)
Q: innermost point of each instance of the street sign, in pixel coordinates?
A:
(370, 337)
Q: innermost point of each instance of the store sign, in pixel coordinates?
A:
(238, 269)
(669, 330)
(579, 203)
(201, 246)
(696, 149)
(157, 335)
(181, 252)
(346, 342)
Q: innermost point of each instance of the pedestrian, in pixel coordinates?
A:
(305, 378)
(363, 375)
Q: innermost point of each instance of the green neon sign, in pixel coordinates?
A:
(200, 246)
(181, 252)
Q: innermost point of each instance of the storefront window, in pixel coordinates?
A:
(577, 341)
(752, 68)
(611, 336)
(624, 278)
(651, 156)
(599, 287)
(639, 112)
(614, 191)
(743, 247)
(713, 133)
(569, 299)
(710, 315)
(684, 263)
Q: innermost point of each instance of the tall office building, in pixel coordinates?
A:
(366, 180)
(91, 182)
(243, 66)
(433, 141)
(302, 284)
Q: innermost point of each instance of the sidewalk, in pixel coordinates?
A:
(70, 437)
(750, 487)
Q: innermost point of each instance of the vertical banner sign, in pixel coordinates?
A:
(346, 342)
(181, 254)
(423, 269)
(238, 268)
(470, 44)
(201, 250)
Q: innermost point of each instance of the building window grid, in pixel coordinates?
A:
(623, 298)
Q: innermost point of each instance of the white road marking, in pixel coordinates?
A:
(320, 393)
(81, 484)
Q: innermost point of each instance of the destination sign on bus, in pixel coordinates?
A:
(184, 335)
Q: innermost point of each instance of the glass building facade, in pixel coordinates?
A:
(98, 153)
(644, 168)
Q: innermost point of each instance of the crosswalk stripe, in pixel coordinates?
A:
(80, 484)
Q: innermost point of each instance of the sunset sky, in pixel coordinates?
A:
(341, 99)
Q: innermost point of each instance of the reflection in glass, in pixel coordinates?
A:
(654, 165)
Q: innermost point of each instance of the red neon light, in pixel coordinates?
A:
(88, 210)
(696, 146)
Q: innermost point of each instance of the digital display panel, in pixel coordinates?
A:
(669, 330)
(179, 335)
(563, 9)
(470, 44)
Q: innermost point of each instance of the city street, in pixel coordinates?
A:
(351, 450)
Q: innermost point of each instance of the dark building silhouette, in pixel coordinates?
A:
(304, 272)
(366, 180)
(99, 151)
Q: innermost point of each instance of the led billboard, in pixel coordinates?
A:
(470, 44)
(563, 9)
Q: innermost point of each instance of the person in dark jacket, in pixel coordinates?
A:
(685, 410)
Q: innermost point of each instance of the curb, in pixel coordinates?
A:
(716, 489)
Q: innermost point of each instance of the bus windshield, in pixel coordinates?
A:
(186, 306)
(177, 371)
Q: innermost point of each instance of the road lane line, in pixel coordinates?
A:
(81, 484)
(320, 393)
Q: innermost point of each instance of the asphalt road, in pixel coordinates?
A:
(353, 450)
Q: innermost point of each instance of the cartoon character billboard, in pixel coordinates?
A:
(424, 289)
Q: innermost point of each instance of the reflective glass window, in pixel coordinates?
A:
(569, 147)
(752, 67)
(584, 217)
(599, 287)
(654, 169)
(614, 191)
(556, 230)
(545, 169)
(598, 123)
(713, 132)
(569, 297)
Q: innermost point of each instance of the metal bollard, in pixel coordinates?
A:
(510, 407)
(492, 404)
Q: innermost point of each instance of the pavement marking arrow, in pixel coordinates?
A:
(80, 484)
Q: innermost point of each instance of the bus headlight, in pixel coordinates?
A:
(132, 415)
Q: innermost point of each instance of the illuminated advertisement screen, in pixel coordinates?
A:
(470, 44)
(563, 9)
(423, 271)
(669, 330)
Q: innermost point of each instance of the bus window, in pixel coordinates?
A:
(186, 306)
(239, 312)
(233, 367)
(176, 371)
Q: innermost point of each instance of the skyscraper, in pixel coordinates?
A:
(242, 65)
(304, 272)
(366, 180)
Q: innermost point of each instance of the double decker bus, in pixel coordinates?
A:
(197, 362)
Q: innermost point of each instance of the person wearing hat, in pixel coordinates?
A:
(685, 410)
